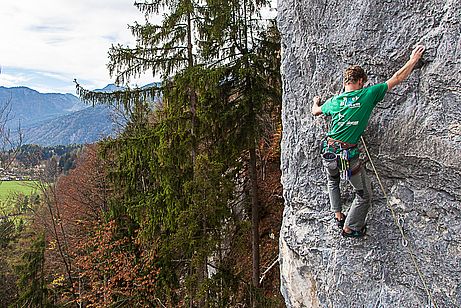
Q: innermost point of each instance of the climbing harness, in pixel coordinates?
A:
(338, 155)
(399, 222)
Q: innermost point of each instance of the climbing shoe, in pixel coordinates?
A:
(355, 233)
(340, 222)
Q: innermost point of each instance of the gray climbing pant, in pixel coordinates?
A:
(359, 209)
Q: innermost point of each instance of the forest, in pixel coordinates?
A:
(183, 208)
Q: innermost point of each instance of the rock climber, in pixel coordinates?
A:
(350, 112)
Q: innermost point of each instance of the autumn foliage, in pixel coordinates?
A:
(115, 270)
(69, 209)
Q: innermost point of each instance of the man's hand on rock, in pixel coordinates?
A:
(316, 110)
(316, 100)
(417, 52)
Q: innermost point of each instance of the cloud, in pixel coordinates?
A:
(53, 76)
(49, 43)
(59, 40)
(11, 80)
(41, 81)
(48, 28)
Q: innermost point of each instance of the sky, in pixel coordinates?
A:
(46, 44)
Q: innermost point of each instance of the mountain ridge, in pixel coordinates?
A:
(28, 106)
(54, 118)
(84, 126)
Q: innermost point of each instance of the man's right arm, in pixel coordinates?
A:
(406, 70)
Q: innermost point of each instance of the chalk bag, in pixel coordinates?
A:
(330, 160)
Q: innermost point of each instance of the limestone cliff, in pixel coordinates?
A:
(414, 138)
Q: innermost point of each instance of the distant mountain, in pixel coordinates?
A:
(109, 88)
(61, 119)
(84, 126)
(49, 119)
(112, 87)
(153, 84)
(28, 107)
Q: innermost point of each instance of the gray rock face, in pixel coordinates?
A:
(414, 137)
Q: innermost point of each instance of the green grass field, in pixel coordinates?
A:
(9, 189)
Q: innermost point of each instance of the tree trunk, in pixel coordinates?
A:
(254, 216)
(192, 94)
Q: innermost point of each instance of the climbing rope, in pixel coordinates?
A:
(400, 227)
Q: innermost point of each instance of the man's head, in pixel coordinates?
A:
(354, 74)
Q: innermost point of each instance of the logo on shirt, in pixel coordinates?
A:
(352, 123)
(350, 102)
(348, 123)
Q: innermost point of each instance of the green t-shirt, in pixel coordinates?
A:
(350, 112)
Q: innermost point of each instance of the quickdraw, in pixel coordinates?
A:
(344, 164)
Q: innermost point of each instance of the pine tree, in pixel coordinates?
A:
(236, 38)
(165, 49)
(8, 235)
(32, 283)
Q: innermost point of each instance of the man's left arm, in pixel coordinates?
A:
(316, 109)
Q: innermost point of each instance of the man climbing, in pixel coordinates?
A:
(350, 112)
